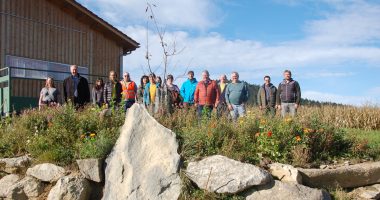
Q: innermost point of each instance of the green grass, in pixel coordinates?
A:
(366, 140)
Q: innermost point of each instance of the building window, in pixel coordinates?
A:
(39, 69)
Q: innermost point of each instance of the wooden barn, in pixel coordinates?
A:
(41, 38)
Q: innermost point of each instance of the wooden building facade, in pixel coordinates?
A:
(40, 38)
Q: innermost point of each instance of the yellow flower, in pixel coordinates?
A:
(82, 136)
(92, 135)
(288, 119)
(263, 121)
(298, 138)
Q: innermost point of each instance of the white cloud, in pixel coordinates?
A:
(194, 14)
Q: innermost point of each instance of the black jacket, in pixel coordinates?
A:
(82, 89)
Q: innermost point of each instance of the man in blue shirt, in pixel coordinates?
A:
(188, 89)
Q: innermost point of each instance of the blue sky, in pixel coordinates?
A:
(331, 46)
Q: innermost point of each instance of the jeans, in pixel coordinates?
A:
(288, 108)
(237, 111)
(204, 109)
(128, 104)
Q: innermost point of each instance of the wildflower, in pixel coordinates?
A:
(50, 124)
(82, 136)
(257, 134)
(269, 133)
(92, 134)
(298, 138)
(263, 121)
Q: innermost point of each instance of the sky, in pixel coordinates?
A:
(332, 47)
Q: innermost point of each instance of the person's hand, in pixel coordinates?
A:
(216, 105)
(296, 106)
(278, 107)
(230, 107)
(195, 104)
(260, 107)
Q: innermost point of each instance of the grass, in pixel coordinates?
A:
(366, 140)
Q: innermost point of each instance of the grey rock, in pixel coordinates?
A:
(278, 190)
(368, 192)
(285, 173)
(7, 183)
(346, 176)
(92, 169)
(70, 188)
(223, 175)
(14, 165)
(32, 187)
(46, 172)
(144, 162)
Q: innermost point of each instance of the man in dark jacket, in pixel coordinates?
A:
(112, 90)
(266, 97)
(288, 95)
(75, 88)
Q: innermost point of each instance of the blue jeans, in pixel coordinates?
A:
(288, 108)
(237, 111)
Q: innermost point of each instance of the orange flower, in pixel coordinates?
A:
(257, 134)
(269, 133)
(82, 136)
(50, 124)
(298, 138)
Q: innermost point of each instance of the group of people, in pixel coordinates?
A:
(227, 98)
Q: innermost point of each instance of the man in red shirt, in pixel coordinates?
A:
(206, 96)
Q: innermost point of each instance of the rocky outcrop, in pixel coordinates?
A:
(14, 165)
(30, 186)
(285, 173)
(92, 169)
(73, 188)
(278, 190)
(346, 177)
(46, 172)
(144, 162)
(223, 175)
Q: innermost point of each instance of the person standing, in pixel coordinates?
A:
(97, 93)
(174, 98)
(266, 97)
(206, 96)
(150, 93)
(222, 106)
(140, 91)
(288, 95)
(112, 91)
(188, 89)
(129, 91)
(236, 96)
(75, 88)
(48, 95)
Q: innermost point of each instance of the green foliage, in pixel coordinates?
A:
(54, 135)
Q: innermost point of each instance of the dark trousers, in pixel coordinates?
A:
(204, 110)
(222, 110)
(128, 103)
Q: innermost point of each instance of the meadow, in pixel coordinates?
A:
(318, 135)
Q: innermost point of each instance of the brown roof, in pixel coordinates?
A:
(85, 15)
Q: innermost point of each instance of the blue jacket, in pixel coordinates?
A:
(188, 90)
(146, 96)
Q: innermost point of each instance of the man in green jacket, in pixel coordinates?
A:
(266, 97)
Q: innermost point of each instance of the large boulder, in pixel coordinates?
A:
(223, 175)
(285, 173)
(92, 169)
(277, 190)
(144, 162)
(46, 172)
(346, 176)
(14, 165)
(69, 187)
(7, 183)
